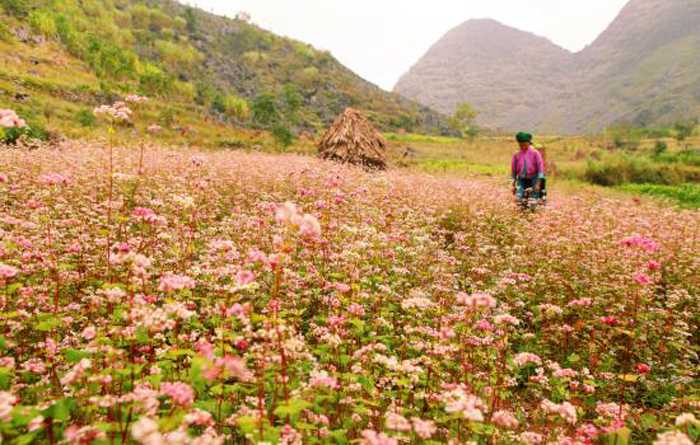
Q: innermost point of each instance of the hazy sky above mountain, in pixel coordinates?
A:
(381, 39)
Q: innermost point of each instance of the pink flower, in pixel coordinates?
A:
(611, 410)
(145, 431)
(171, 282)
(423, 428)
(505, 419)
(397, 422)
(36, 423)
(181, 393)
(309, 226)
(643, 368)
(9, 119)
(566, 410)
(286, 212)
(53, 179)
(7, 271)
(477, 299)
(321, 379)
(3, 178)
(7, 400)
(531, 438)
(199, 417)
(644, 243)
(235, 367)
(135, 98)
(523, 358)
(609, 320)
(356, 310)
(245, 277)
(653, 265)
(642, 278)
(89, 333)
(154, 129)
(370, 437)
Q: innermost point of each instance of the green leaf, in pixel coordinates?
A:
(12, 288)
(292, 408)
(74, 355)
(142, 336)
(26, 439)
(648, 421)
(248, 424)
(619, 437)
(47, 325)
(60, 410)
(573, 358)
(5, 378)
(3, 343)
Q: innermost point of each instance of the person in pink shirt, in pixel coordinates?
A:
(527, 167)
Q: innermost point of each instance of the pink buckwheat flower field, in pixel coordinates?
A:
(190, 297)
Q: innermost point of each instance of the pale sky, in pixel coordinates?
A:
(381, 39)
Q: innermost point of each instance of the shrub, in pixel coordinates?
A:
(109, 60)
(153, 81)
(86, 118)
(73, 41)
(660, 147)
(11, 135)
(17, 8)
(265, 110)
(43, 23)
(685, 129)
(618, 170)
(283, 135)
(166, 117)
(235, 107)
(5, 34)
(204, 93)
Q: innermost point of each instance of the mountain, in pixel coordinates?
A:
(222, 69)
(643, 69)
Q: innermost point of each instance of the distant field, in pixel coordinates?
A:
(573, 162)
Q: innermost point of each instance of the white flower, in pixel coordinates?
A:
(672, 438)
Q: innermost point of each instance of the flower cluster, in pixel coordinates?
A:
(9, 119)
(118, 112)
(244, 298)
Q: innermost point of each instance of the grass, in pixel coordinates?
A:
(686, 195)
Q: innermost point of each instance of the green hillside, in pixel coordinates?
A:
(62, 57)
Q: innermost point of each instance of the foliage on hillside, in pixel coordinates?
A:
(223, 69)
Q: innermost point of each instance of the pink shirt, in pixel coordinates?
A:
(527, 164)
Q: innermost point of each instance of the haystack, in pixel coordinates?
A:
(354, 140)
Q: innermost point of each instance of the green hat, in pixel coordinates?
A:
(523, 137)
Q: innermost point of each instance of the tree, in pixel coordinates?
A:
(462, 120)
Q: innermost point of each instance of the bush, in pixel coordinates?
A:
(154, 82)
(619, 170)
(166, 117)
(283, 135)
(74, 42)
(17, 8)
(660, 147)
(11, 135)
(5, 34)
(265, 110)
(109, 60)
(235, 107)
(43, 23)
(687, 157)
(86, 118)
